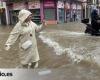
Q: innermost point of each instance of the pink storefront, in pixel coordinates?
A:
(44, 10)
(35, 8)
(49, 11)
(41, 9)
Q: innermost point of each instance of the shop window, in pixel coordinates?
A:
(49, 14)
(36, 15)
(13, 16)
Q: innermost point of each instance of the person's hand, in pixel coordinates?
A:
(7, 47)
(44, 23)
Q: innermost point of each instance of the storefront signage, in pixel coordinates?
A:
(34, 5)
(49, 4)
(18, 6)
(67, 6)
(60, 4)
(82, 0)
(73, 6)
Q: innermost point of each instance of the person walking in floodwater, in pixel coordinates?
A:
(24, 31)
(74, 16)
(94, 22)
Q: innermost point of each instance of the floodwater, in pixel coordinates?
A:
(65, 51)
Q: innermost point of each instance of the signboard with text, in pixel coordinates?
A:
(49, 3)
(18, 6)
(34, 4)
(73, 6)
(60, 4)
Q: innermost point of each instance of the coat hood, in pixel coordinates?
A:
(23, 14)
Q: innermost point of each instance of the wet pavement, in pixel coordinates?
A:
(65, 51)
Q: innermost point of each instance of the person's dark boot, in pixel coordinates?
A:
(25, 66)
(34, 65)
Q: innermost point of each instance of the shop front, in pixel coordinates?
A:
(50, 11)
(67, 11)
(14, 9)
(41, 9)
(34, 7)
(73, 11)
(79, 12)
(60, 12)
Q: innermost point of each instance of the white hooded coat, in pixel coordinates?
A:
(23, 32)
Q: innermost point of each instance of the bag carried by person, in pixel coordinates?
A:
(26, 44)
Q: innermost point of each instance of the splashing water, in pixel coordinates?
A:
(59, 50)
(63, 33)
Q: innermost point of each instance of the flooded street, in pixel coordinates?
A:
(64, 50)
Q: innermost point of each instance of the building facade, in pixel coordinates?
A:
(41, 9)
(53, 11)
(89, 5)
